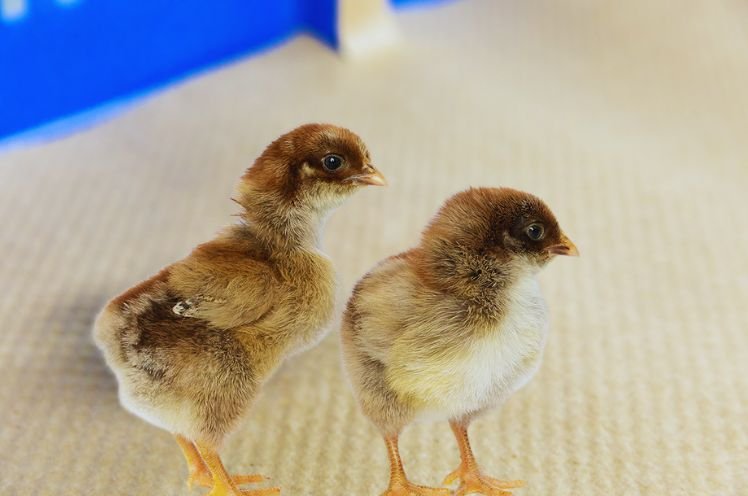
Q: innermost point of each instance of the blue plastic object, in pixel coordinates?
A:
(62, 57)
(58, 57)
(408, 3)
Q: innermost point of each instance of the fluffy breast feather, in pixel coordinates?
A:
(309, 300)
(473, 372)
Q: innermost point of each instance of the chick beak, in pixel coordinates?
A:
(565, 247)
(370, 176)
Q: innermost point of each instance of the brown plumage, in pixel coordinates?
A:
(454, 326)
(192, 345)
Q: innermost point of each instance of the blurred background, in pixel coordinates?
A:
(124, 127)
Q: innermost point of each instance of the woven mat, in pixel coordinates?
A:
(629, 118)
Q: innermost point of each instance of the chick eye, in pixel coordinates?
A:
(332, 162)
(535, 232)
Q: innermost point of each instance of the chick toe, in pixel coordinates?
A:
(478, 488)
(462, 475)
(505, 484)
(473, 482)
(222, 483)
(204, 479)
(409, 489)
(224, 490)
(271, 491)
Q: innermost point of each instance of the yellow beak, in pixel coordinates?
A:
(565, 247)
(371, 177)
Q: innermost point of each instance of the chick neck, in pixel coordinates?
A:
(481, 278)
(279, 224)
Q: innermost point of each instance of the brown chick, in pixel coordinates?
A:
(192, 345)
(454, 326)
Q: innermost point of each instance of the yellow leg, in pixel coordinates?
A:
(203, 459)
(199, 473)
(399, 484)
(472, 481)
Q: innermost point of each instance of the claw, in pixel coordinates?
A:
(451, 478)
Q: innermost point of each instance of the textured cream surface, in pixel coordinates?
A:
(629, 118)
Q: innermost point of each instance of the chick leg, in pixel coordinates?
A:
(200, 474)
(472, 481)
(222, 483)
(399, 484)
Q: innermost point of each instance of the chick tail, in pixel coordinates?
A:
(116, 324)
(108, 328)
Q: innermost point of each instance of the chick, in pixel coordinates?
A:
(454, 326)
(192, 345)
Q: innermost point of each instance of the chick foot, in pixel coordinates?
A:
(409, 489)
(221, 482)
(200, 474)
(473, 482)
(204, 479)
(226, 490)
(399, 483)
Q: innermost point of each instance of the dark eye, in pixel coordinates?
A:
(535, 232)
(332, 162)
